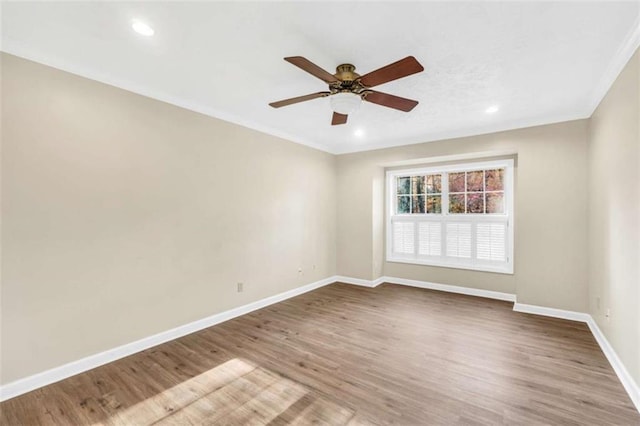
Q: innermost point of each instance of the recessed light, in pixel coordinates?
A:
(492, 109)
(142, 28)
(359, 133)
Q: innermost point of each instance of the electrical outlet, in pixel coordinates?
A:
(300, 271)
(608, 315)
(598, 303)
(240, 287)
(314, 267)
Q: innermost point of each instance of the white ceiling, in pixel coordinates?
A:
(541, 62)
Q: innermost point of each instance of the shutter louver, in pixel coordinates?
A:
(403, 238)
(459, 240)
(429, 238)
(491, 241)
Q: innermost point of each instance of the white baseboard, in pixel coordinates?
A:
(629, 384)
(356, 281)
(489, 294)
(627, 381)
(551, 312)
(359, 281)
(431, 286)
(56, 374)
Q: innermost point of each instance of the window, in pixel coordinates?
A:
(455, 216)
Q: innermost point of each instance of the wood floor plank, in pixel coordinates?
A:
(212, 408)
(350, 355)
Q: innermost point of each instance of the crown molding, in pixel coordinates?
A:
(16, 49)
(512, 125)
(620, 59)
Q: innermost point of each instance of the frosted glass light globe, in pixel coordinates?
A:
(345, 102)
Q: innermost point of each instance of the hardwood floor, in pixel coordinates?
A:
(349, 355)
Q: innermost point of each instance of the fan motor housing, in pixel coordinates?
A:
(346, 72)
(347, 80)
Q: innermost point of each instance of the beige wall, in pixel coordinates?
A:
(123, 216)
(550, 221)
(614, 216)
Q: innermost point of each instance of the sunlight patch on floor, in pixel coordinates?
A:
(236, 392)
(173, 399)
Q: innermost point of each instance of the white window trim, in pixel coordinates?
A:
(508, 217)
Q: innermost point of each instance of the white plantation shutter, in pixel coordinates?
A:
(403, 238)
(475, 242)
(491, 241)
(429, 238)
(459, 239)
(463, 216)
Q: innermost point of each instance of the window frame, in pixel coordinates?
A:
(444, 217)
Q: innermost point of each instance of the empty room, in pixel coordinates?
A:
(329, 212)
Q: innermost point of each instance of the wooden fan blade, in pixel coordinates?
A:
(394, 71)
(308, 66)
(391, 101)
(290, 101)
(338, 119)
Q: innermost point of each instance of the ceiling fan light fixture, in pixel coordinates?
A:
(347, 89)
(345, 102)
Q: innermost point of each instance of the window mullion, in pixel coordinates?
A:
(484, 191)
(445, 212)
(445, 193)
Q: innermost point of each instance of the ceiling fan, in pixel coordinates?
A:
(347, 89)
